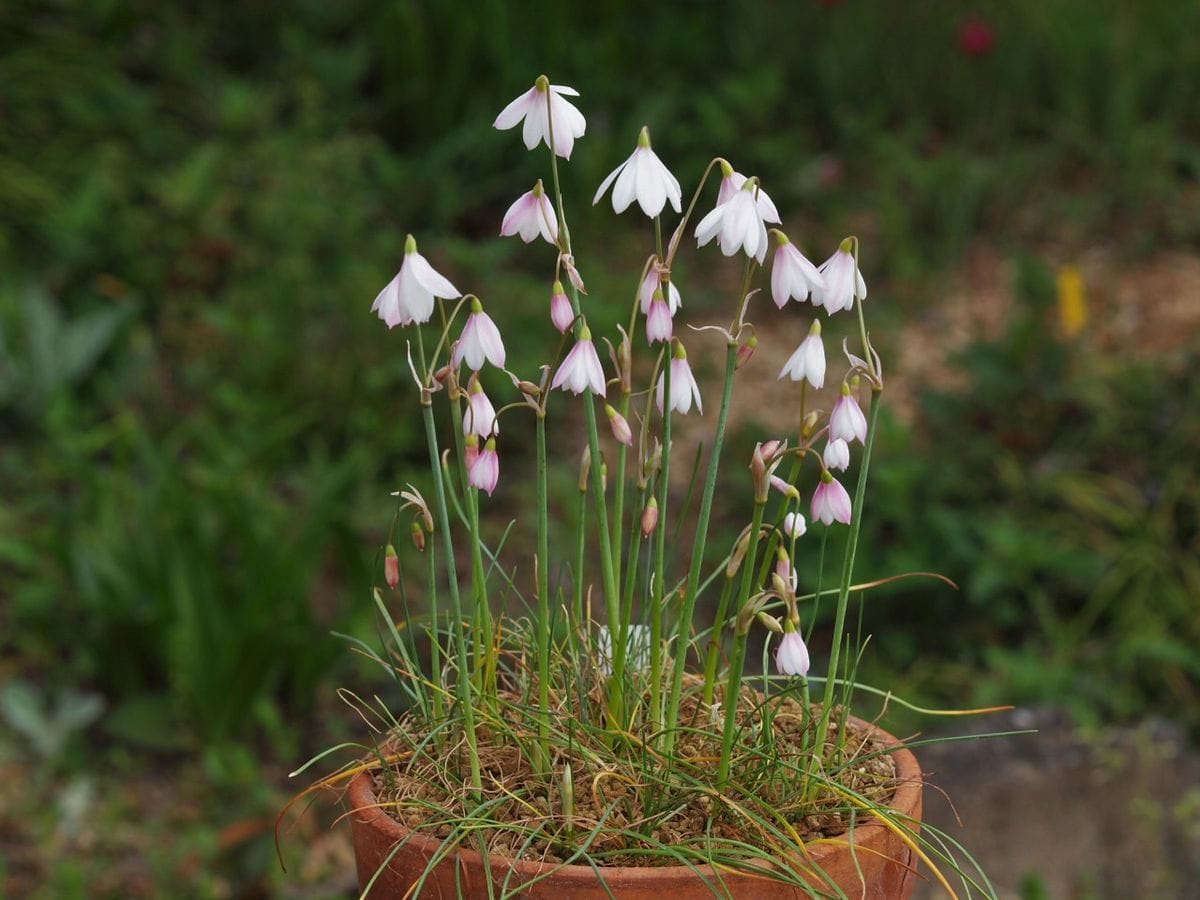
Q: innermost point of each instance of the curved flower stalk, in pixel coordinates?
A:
(843, 282)
(530, 108)
(480, 341)
(408, 297)
(531, 214)
(581, 370)
(644, 178)
(684, 390)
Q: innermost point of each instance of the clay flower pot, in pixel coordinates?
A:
(886, 863)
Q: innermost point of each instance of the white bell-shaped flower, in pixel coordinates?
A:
(408, 297)
(644, 178)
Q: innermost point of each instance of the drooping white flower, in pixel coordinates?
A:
(846, 421)
(836, 455)
(479, 418)
(581, 370)
(739, 224)
(480, 341)
(684, 389)
(794, 525)
(792, 275)
(644, 178)
(561, 313)
(531, 107)
(731, 183)
(651, 283)
(658, 320)
(808, 360)
(843, 281)
(408, 297)
(791, 656)
(530, 215)
(485, 470)
(830, 502)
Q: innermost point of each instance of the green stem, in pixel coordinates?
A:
(660, 558)
(693, 582)
(435, 650)
(543, 589)
(580, 548)
(714, 641)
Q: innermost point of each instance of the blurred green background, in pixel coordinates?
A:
(200, 421)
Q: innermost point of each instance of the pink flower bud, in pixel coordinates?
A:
(561, 313)
(391, 567)
(745, 351)
(620, 427)
(418, 536)
(650, 517)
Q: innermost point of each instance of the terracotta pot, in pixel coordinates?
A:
(886, 863)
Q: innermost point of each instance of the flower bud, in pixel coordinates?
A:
(418, 536)
(603, 474)
(391, 567)
(620, 426)
(769, 622)
(745, 351)
(809, 426)
(567, 792)
(585, 468)
(650, 517)
(529, 389)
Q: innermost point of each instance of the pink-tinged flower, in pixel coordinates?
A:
(408, 297)
(561, 313)
(788, 490)
(480, 341)
(830, 502)
(620, 426)
(808, 360)
(739, 224)
(794, 525)
(792, 275)
(745, 351)
(843, 281)
(653, 282)
(684, 389)
(568, 264)
(732, 182)
(847, 421)
(530, 215)
(480, 416)
(650, 517)
(581, 370)
(784, 569)
(791, 656)
(485, 471)
(470, 451)
(531, 107)
(658, 320)
(642, 177)
(976, 37)
(391, 567)
(836, 455)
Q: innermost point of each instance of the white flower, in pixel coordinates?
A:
(794, 276)
(651, 283)
(791, 656)
(642, 177)
(531, 106)
(480, 341)
(843, 281)
(808, 360)
(658, 320)
(794, 525)
(581, 370)
(530, 215)
(731, 183)
(480, 416)
(408, 297)
(683, 385)
(847, 421)
(837, 454)
(637, 649)
(739, 224)
(830, 502)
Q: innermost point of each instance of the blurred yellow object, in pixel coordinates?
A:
(1072, 301)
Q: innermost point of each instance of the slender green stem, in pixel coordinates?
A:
(693, 583)
(734, 684)
(619, 509)
(714, 641)
(631, 564)
(435, 648)
(580, 548)
(660, 558)
(543, 589)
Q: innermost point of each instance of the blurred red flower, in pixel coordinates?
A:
(976, 37)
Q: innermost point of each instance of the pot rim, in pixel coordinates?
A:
(906, 799)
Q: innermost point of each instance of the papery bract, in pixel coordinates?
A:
(791, 656)
(408, 297)
(808, 360)
(830, 502)
(642, 177)
(531, 107)
(485, 471)
(792, 275)
(581, 370)
(530, 215)
(479, 342)
(843, 281)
